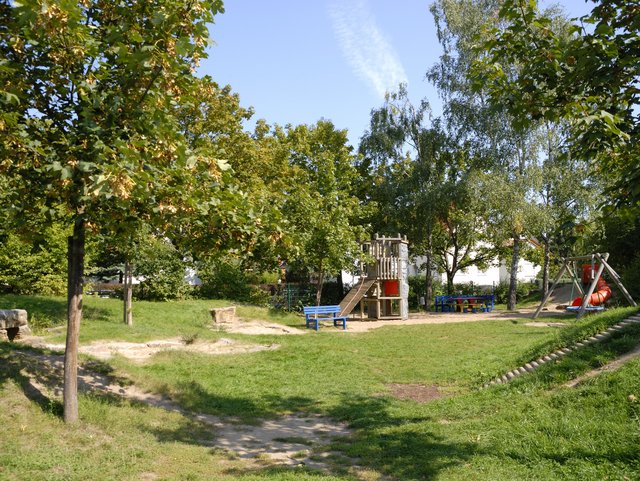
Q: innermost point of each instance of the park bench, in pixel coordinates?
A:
(314, 314)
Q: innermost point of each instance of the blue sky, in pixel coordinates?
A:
(297, 61)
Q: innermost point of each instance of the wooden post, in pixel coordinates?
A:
(550, 291)
(614, 276)
(592, 287)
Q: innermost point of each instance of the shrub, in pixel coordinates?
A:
(631, 278)
(417, 286)
(163, 270)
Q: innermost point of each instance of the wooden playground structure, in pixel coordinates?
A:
(592, 277)
(383, 289)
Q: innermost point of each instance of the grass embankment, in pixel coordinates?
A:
(531, 428)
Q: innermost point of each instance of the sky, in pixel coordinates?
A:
(299, 61)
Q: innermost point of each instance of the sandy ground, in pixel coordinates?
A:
(142, 351)
(545, 318)
(290, 439)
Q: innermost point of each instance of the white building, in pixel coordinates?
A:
(497, 273)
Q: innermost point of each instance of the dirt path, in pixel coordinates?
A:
(451, 317)
(142, 351)
(612, 366)
(289, 440)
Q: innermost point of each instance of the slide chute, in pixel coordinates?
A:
(601, 295)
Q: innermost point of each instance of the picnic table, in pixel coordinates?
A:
(465, 303)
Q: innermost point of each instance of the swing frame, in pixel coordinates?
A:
(601, 260)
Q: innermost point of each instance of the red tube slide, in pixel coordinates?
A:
(600, 296)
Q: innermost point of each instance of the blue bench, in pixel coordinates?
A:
(465, 303)
(314, 314)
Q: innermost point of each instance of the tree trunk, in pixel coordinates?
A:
(75, 269)
(127, 293)
(319, 290)
(450, 277)
(545, 266)
(340, 283)
(428, 284)
(513, 275)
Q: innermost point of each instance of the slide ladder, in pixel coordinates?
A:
(356, 293)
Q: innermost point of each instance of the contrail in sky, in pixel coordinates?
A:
(364, 46)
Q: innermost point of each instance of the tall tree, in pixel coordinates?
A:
(502, 146)
(422, 186)
(93, 137)
(588, 77)
(320, 207)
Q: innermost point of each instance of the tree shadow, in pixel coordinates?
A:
(14, 361)
(401, 446)
(39, 373)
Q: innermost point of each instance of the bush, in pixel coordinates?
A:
(631, 278)
(417, 286)
(163, 270)
(37, 266)
(523, 289)
(223, 280)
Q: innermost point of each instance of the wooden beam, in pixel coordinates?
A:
(592, 287)
(553, 286)
(616, 278)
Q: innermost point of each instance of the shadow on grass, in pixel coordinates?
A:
(404, 447)
(193, 397)
(13, 362)
(580, 330)
(401, 446)
(39, 373)
(45, 312)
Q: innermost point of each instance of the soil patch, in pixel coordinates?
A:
(257, 327)
(143, 351)
(545, 324)
(416, 392)
(356, 325)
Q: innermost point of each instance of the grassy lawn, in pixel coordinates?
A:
(532, 428)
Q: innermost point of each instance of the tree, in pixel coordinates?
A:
(502, 145)
(587, 76)
(422, 186)
(92, 132)
(320, 206)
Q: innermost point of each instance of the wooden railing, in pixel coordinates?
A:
(388, 268)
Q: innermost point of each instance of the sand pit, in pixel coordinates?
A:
(143, 351)
(257, 327)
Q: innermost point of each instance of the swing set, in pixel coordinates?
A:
(598, 291)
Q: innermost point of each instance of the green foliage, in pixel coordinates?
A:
(585, 74)
(223, 280)
(162, 269)
(320, 206)
(417, 289)
(36, 265)
(631, 278)
(227, 279)
(501, 291)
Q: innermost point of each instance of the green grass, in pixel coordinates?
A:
(532, 428)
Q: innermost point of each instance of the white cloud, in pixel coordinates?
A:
(366, 49)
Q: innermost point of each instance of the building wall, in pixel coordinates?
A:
(492, 276)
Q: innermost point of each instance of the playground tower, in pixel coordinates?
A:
(383, 289)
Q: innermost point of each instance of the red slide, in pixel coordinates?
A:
(600, 296)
